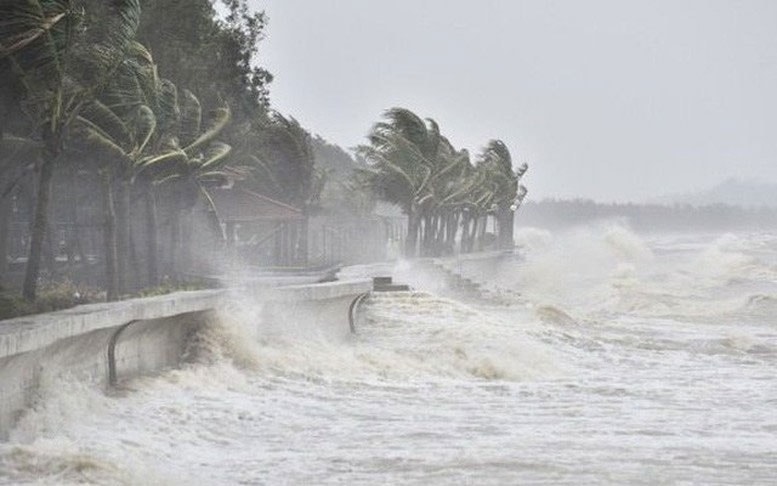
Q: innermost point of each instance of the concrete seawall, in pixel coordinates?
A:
(105, 343)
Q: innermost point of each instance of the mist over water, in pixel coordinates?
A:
(616, 358)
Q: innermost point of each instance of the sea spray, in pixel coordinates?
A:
(627, 358)
(447, 338)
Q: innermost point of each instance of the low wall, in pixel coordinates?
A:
(105, 343)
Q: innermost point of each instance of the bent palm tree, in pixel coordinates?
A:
(118, 142)
(402, 153)
(502, 188)
(189, 160)
(284, 167)
(60, 67)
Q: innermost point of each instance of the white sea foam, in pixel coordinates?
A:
(616, 363)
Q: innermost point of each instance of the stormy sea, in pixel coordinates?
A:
(593, 355)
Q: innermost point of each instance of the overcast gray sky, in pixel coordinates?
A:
(608, 99)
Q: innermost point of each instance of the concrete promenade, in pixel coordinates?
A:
(106, 343)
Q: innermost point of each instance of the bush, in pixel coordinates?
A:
(64, 294)
(52, 296)
(168, 287)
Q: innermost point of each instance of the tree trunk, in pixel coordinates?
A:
(505, 224)
(175, 243)
(465, 219)
(5, 223)
(74, 241)
(187, 242)
(428, 232)
(473, 232)
(474, 237)
(122, 233)
(481, 243)
(109, 236)
(411, 239)
(452, 228)
(39, 226)
(50, 247)
(442, 232)
(152, 237)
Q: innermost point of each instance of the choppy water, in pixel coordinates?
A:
(625, 360)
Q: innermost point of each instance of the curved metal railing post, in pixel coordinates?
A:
(352, 311)
(112, 373)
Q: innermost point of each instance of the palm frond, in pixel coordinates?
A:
(217, 122)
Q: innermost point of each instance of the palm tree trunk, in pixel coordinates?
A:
(39, 226)
(452, 230)
(152, 237)
(442, 232)
(5, 223)
(109, 236)
(425, 241)
(473, 231)
(411, 239)
(482, 233)
(175, 243)
(475, 237)
(122, 233)
(465, 219)
(74, 240)
(505, 224)
(50, 247)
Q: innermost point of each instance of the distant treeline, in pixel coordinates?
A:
(552, 213)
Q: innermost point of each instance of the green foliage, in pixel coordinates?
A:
(341, 194)
(188, 153)
(169, 286)
(214, 58)
(284, 164)
(60, 58)
(61, 53)
(52, 296)
(412, 165)
(64, 294)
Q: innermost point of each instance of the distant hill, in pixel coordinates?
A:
(746, 193)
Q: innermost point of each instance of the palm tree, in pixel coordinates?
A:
(452, 186)
(154, 138)
(402, 154)
(123, 126)
(284, 167)
(61, 67)
(188, 160)
(119, 142)
(501, 188)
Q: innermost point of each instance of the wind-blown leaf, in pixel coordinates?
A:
(214, 155)
(145, 122)
(191, 118)
(218, 121)
(102, 118)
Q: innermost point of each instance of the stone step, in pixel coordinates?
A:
(391, 288)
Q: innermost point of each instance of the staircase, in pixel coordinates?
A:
(453, 283)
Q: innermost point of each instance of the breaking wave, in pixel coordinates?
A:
(597, 316)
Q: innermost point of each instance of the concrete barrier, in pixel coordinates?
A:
(107, 343)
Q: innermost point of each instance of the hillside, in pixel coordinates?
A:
(733, 191)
